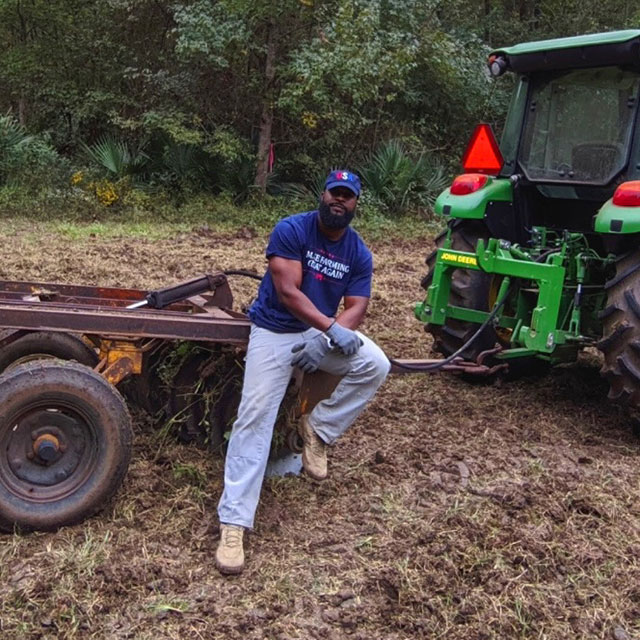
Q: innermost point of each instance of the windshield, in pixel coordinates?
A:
(579, 125)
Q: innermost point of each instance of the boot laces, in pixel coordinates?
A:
(232, 537)
(316, 445)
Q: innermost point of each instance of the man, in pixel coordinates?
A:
(316, 260)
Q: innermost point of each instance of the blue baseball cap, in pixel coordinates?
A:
(342, 178)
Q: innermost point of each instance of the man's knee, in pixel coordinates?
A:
(376, 365)
(383, 367)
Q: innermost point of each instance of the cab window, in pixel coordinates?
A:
(578, 126)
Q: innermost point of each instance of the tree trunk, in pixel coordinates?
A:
(22, 110)
(485, 18)
(266, 118)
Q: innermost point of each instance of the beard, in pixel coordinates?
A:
(332, 220)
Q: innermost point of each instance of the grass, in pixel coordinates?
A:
(115, 229)
(75, 217)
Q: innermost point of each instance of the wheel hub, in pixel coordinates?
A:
(46, 447)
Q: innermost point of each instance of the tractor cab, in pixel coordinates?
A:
(569, 136)
(568, 141)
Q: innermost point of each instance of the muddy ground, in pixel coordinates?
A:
(452, 510)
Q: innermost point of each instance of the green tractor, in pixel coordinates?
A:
(541, 254)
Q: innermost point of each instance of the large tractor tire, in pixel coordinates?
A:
(621, 332)
(470, 289)
(65, 444)
(46, 345)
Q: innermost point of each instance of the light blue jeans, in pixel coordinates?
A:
(267, 374)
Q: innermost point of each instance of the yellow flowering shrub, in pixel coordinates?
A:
(77, 178)
(105, 191)
(309, 120)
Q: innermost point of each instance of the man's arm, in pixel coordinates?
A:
(355, 308)
(287, 279)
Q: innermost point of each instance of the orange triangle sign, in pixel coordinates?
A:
(482, 154)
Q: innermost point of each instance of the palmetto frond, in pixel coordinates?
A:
(116, 157)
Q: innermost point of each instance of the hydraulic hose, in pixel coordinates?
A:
(428, 367)
(242, 272)
(436, 365)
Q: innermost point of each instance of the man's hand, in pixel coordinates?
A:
(345, 339)
(310, 353)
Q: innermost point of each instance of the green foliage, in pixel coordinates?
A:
(208, 30)
(175, 126)
(12, 135)
(398, 181)
(309, 192)
(225, 144)
(25, 159)
(327, 81)
(116, 158)
(179, 168)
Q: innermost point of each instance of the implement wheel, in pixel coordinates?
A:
(65, 444)
(470, 289)
(621, 332)
(46, 345)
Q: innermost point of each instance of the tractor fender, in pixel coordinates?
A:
(617, 220)
(474, 205)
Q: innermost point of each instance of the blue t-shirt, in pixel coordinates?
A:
(330, 271)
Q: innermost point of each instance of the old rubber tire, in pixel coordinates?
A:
(620, 343)
(41, 345)
(469, 289)
(65, 444)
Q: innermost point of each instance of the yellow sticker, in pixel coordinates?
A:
(460, 259)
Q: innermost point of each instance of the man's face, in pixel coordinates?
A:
(337, 207)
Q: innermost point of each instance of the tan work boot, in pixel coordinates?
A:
(314, 453)
(230, 553)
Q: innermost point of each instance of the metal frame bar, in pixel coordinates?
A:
(170, 325)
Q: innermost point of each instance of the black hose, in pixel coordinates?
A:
(436, 365)
(242, 272)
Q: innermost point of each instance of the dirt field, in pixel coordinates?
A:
(452, 510)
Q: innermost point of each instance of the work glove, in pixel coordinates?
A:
(310, 353)
(345, 339)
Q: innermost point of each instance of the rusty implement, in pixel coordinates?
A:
(123, 324)
(102, 315)
(64, 451)
(207, 325)
(101, 311)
